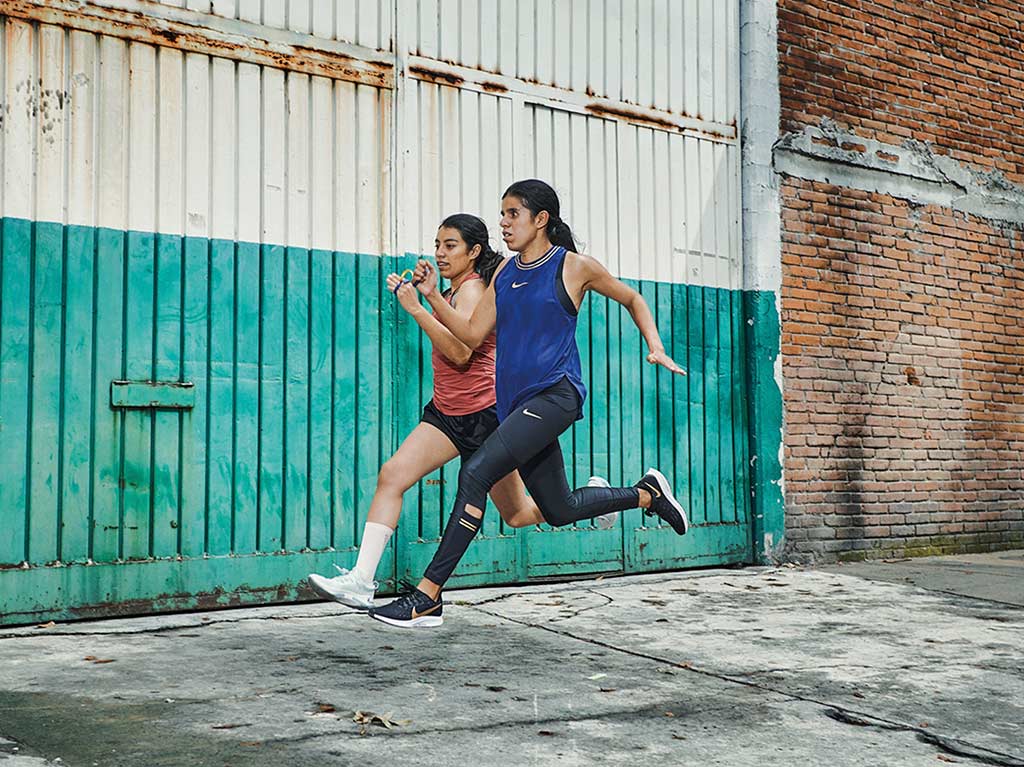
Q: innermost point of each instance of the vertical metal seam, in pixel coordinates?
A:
(399, 86)
(154, 327)
(95, 91)
(234, 394)
(309, 313)
(208, 377)
(92, 399)
(286, 186)
(419, 239)
(29, 404)
(355, 322)
(182, 252)
(156, 293)
(4, 24)
(259, 316)
(235, 171)
(61, 399)
(122, 428)
(334, 300)
(209, 304)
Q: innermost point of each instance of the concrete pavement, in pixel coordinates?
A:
(852, 665)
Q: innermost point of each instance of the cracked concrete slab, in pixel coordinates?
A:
(717, 667)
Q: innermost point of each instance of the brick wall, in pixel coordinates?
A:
(903, 323)
(948, 72)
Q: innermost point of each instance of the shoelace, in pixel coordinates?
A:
(408, 599)
(343, 571)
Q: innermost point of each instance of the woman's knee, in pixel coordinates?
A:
(557, 514)
(396, 476)
(474, 480)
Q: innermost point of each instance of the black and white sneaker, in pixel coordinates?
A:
(663, 503)
(413, 609)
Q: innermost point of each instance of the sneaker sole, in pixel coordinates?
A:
(666, 492)
(349, 600)
(605, 521)
(424, 622)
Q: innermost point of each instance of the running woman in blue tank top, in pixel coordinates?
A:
(532, 302)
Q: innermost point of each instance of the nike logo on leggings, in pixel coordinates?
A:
(526, 411)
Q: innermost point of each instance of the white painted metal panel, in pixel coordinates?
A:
(142, 143)
(51, 124)
(111, 115)
(21, 93)
(170, 168)
(224, 150)
(673, 55)
(150, 138)
(82, 137)
(249, 163)
(198, 128)
(363, 22)
(456, 150)
(674, 215)
(98, 131)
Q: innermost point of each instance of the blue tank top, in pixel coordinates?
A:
(536, 332)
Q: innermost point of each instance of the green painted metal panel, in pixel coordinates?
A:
(761, 318)
(270, 519)
(696, 385)
(296, 399)
(45, 402)
(129, 588)
(15, 387)
(306, 377)
(247, 398)
(167, 424)
(347, 531)
(195, 367)
(136, 475)
(108, 425)
(319, 523)
(665, 382)
(220, 415)
(712, 424)
(76, 426)
(679, 345)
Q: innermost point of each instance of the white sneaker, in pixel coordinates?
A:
(348, 588)
(605, 521)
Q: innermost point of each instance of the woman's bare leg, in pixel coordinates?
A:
(426, 449)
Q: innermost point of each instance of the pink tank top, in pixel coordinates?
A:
(469, 388)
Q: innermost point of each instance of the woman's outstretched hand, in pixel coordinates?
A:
(660, 358)
(425, 277)
(405, 293)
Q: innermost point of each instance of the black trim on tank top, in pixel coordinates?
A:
(563, 295)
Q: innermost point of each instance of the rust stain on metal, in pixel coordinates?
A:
(435, 76)
(192, 38)
(494, 87)
(638, 117)
(603, 110)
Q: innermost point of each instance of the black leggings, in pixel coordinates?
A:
(528, 440)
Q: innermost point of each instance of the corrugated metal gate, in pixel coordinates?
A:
(211, 195)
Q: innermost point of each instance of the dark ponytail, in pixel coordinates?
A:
(537, 196)
(474, 232)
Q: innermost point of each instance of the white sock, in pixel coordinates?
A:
(371, 549)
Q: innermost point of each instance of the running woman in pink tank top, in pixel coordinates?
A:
(455, 422)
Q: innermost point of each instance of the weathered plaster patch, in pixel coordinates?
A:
(911, 171)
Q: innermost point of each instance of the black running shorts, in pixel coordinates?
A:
(467, 432)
